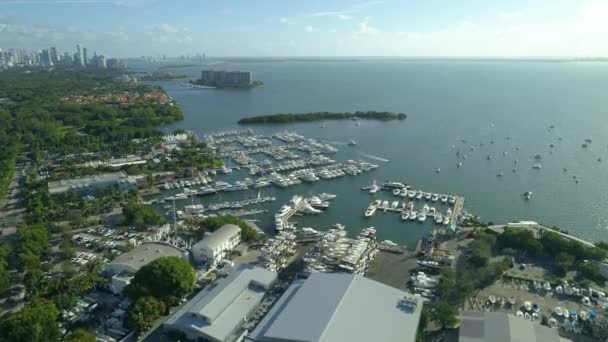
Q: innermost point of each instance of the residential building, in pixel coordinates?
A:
(502, 327)
(218, 312)
(124, 266)
(340, 307)
(227, 78)
(216, 246)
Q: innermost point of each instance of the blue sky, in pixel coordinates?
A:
(510, 28)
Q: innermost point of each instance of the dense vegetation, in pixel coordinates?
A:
(80, 335)
(168, 279)
(5, 280)
(143, 313)
(37, 322)
(284, 118)
(141, 216)
(567, 254)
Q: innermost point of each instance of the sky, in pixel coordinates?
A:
(413, 28)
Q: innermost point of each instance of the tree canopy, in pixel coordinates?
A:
(141, 215)
(282, 118)
(167, 278)
(36, 322)
(80, 335)
(142, 314)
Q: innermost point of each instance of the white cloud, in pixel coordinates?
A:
(363, 28)
(310, 28)
(510, 15)
(347, 13)
(284, 20)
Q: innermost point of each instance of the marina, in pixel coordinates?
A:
(413, 204)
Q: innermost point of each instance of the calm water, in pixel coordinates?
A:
(446, 102)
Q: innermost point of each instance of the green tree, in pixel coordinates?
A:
(5, 279)
(444, 314)
(80, 335)
(167, 278)
(142, 314)
(37, 322)
(141, 215)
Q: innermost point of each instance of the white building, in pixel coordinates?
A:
(218, 312)
(124, 266)
(214, 247)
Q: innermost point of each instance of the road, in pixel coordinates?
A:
(12, 212)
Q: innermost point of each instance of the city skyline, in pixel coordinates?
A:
(438, 28)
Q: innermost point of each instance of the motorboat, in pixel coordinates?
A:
(413, 215)
(370, 211)
(428, 196)
(405, 215)
(434, 197)
(439, 219)
(411, 194)
(352, 143)
(452, 199)
(558, 311)
(419, 195)
(444, 199)
(396, 192)
(403, 193)
(422, 217)
(428, 263)
(394, 205)
(537, 166)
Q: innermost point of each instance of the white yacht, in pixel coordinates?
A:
(444, 198)
(384, 204)
(428, 196)
(434, 197)
(413, 215)
(394, 205)
(405, 215)
(422, 217)
(452, 199)
(411, 194)
(419, 195)
(403, 192)
(396, 192)
(439, 219)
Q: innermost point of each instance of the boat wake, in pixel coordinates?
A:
(336, 142)
(374, 157)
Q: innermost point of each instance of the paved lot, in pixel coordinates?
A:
(392, 269)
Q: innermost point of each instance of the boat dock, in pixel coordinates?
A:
(420, 206)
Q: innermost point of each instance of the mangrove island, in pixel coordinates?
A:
(283, 118)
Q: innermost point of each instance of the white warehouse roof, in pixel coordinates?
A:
(340, 307)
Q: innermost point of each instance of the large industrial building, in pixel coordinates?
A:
(501, 327)
(92, 184)
(340, 307)
(215, 246)
(124, 266)
(218, 312)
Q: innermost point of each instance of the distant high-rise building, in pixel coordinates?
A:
(85, 56)
(45, 58)
(227, 78)
(80, 59)
(54, 55)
